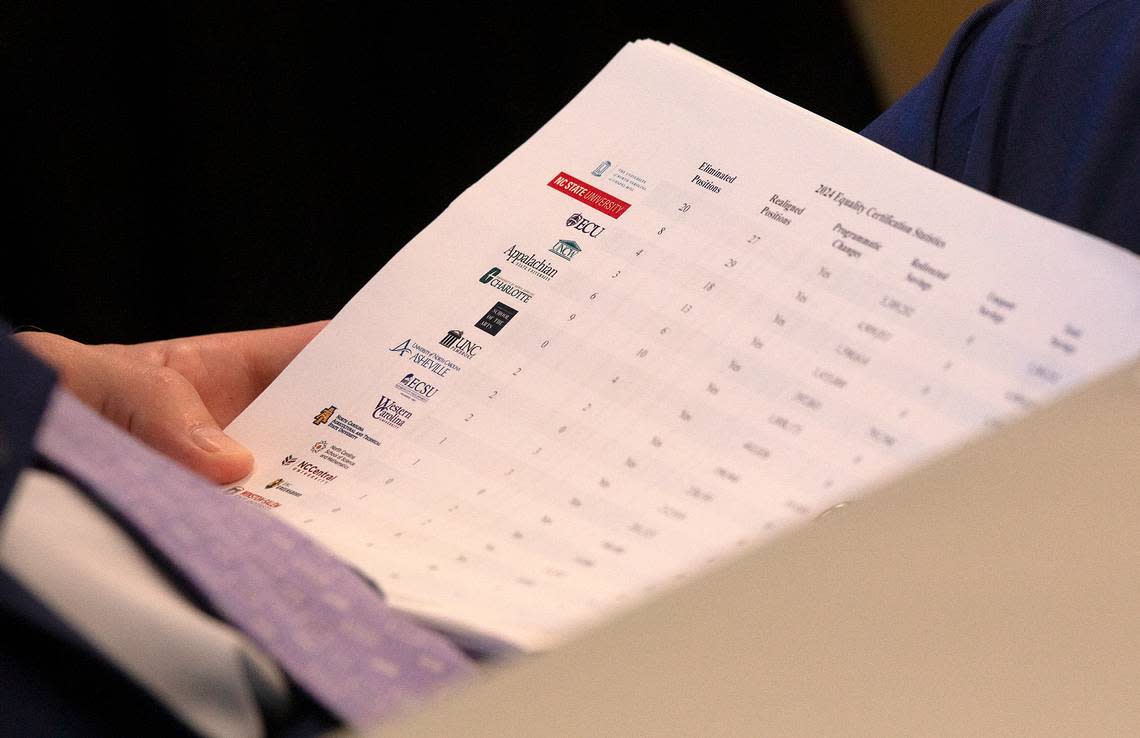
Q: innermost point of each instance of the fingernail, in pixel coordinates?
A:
(212, 440)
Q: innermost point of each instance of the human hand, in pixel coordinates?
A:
(176, 395)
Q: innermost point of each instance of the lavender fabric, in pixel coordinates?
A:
(322, 623)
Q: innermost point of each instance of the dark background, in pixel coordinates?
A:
(188, 169)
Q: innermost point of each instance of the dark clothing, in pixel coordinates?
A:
(1036, 103)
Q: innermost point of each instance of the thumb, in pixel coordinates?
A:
(162, 408)
(155, 403)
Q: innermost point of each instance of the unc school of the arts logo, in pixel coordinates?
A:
(324, 415)
(497, 317)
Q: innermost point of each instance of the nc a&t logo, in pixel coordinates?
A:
(566, 249)
(324, 415)
(465, 347)
(580, 223)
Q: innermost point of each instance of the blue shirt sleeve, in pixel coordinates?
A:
(1037, 103)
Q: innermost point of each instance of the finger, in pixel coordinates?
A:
(267, 352)
(162, 408)
(229, 369)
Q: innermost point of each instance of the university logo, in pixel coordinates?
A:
(601, 168)
(579, 223)
(566, 249)
(509, 288)
(324, 415)
(531, 262)
(415, 388)
(465, 347)
(290, 459)
(497, 317)
(319, 446)
(425, 358)
(388, 412)
(312, 471)
(235, 490)
(588, 194)
(278, 484)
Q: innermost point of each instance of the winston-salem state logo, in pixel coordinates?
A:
(324, 415)
(510, 289)
(566, 249)
(497, 317)
(465, 347)
(580, 223)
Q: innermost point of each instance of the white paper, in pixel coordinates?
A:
(696, 377)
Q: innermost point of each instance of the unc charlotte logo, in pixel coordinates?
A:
(491, 274)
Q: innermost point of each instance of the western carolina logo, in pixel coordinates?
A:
(509, 288)
(274, 483)
(465, 347)
(323, 416)
(497, 317)
(580, 223)
(290, 459)
(601, 168)
(319, 446)
(566, 249)
(532, 263)
(416, 389)
(387, 411)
